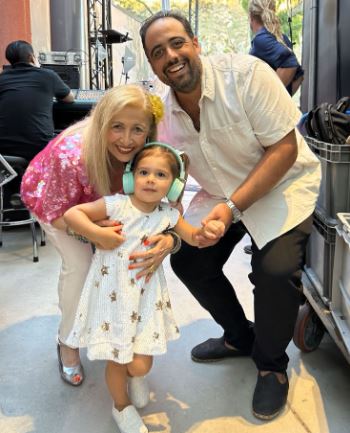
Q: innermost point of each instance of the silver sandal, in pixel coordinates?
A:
(72, 375)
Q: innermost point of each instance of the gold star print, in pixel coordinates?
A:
(104, 270)
(168, 304)
(159, 306)
(142, 291)
(105, 326)
(115, 353)
(97, 284)
(155, 335)
(113, 296)
(134, 317)
(143, 239)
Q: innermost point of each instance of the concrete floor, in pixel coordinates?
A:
(186, 397)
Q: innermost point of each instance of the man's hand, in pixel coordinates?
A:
(222, 215)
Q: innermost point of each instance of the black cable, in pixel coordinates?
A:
(289, 13)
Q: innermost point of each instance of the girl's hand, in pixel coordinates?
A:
(108, 238)
(213, 229)
(148, 261)
(210, 233)
(220, 213)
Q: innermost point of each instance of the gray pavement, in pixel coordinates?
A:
(187, 397)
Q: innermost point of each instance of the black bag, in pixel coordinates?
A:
(328, 122)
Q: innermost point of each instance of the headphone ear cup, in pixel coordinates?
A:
(175, 190)
(128, 182)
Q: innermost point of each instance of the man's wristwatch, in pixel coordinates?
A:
(236, 213)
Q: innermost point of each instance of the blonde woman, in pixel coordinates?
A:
(80, 165)
(270, 45)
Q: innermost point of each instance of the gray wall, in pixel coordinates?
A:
(66, 25)
(326, 52)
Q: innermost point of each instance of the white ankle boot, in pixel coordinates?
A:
(138, 391)
(128, 420)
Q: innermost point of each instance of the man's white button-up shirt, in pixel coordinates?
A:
(244, 108)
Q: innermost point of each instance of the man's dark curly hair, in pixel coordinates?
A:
(165, 14)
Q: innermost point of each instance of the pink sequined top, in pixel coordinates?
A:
(56, 179)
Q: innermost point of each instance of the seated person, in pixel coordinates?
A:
(26, 99)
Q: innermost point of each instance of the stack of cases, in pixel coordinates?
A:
(334, 198)
(340, 303)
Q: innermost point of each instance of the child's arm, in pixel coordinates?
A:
(81, 219)
(212, 230)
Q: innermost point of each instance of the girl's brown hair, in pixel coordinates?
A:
(156, 150)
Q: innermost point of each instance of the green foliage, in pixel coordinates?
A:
(138, 8)
(284, 14)
(222, 24)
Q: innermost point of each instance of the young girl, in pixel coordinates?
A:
(121, 318)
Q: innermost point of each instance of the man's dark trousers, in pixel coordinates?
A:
(276, 277)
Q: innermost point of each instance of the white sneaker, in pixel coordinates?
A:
(128, 420)
(138, 391)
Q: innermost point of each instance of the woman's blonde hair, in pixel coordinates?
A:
(264, 11)
(96, 157)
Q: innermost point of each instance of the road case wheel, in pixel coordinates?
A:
(309, 329)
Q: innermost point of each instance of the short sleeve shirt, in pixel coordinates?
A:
(266, 47)
(26, 100)
(244, 109)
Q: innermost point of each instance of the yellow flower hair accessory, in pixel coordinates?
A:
(157, 108)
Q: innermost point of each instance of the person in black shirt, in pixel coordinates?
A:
(26, 99)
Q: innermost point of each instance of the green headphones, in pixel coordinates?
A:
(176, 187)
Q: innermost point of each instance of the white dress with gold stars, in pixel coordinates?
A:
(119, 315)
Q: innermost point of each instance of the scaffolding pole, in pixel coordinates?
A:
(100, 51)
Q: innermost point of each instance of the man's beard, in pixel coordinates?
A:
(189, 82)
